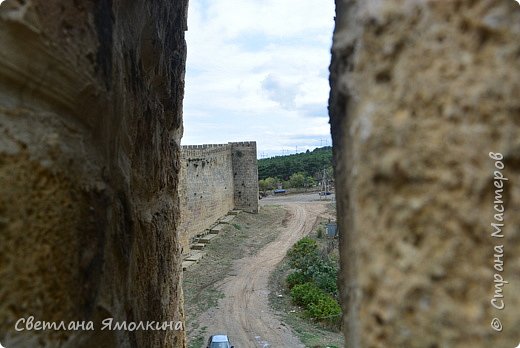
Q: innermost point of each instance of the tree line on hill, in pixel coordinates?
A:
(297, 170)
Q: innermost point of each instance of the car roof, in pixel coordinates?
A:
(220, 338)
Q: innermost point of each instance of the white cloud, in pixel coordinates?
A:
(257, 70)
(279, 91)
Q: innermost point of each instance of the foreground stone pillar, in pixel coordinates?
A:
(422, 92)
(90, 122)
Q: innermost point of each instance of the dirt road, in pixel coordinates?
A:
(244, 312)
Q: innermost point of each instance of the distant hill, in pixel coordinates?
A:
(311, 163)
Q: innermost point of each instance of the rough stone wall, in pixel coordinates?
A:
(206, 188)
(90, 125)
(422, 91)
(245, 175)
(215, 179)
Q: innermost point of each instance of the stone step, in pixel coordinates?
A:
(217, 229)
(235, 212)
(198, 246)
(186, 264)
(195, 256)
(207, 239)
(227, 219)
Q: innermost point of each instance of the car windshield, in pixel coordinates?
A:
(219, 345)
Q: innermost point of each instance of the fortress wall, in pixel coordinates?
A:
(215, 178)
(422, 92)
(206, 188)
(245, 175)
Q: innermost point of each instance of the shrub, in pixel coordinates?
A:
(324, 273)
(305, 258)
(296, 278)
(318, 304)
(305, 294)
(314, 283)
(303, 254)
(325, 309)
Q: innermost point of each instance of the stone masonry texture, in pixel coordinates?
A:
(422, 92)
(245, 176)
(215, 179)
(90, 126)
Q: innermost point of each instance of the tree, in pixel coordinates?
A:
(309, 162)
(267, 184)
(262, 185)
(271, 183)
(297, 180)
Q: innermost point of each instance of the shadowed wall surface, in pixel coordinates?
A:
(90, 122)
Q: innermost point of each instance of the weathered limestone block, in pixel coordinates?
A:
(90, 125)
(422, 91)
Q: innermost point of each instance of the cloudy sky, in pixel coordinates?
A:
(258, 70)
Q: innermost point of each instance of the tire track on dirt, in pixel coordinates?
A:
(244, 313)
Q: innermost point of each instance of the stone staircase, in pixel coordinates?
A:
(198, 244)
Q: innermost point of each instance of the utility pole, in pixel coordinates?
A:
(324, 183)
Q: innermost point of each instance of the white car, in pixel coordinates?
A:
(219, 341)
